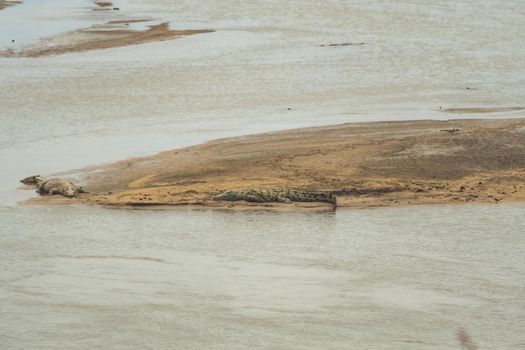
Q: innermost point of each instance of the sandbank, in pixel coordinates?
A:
(377, 164)
(5, 3)
(112, 34)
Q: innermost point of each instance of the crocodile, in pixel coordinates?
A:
(53, 186)
(281, 195)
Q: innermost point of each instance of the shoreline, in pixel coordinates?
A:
(294, 207)
(114, 32)
(374, 164)
(8, 3)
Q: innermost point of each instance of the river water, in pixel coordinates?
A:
(85, 278)
(408, 278)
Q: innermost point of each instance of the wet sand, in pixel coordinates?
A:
(482, 109)
(112, 34)
(366, 164)
(4, 4)
(103, 4)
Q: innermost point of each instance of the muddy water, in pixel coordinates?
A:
(77, 278)
(384, 279)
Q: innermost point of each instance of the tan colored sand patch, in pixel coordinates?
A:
(104, 4)
(4, 3)
(422, 150)
(360, 163)
(482, 109)
(100, 37)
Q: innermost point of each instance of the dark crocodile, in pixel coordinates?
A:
(281, 195)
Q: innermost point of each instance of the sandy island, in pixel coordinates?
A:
(365, 164)
(472, 110)
(5, 3)
(103, 4)
(110, 35)
(115, 33)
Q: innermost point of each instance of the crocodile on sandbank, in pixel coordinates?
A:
(53, 186)
(281, 195)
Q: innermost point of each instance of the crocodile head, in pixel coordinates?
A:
(228, 196)
(32, 180)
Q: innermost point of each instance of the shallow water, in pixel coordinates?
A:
(84, 278)
(408, 278)
(31, 20)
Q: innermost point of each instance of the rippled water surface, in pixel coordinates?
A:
(77, 278)
(85, 278)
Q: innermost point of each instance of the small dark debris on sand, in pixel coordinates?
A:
(451, 130)
(343, 44)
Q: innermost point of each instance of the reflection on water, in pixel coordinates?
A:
(383, 279)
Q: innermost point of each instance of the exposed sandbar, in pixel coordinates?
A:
(100, 37)
(365, 164)
(4, 3)
(482, 109)
(104, 4)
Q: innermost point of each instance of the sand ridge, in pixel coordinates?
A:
(101, 37)
(117, 32)
(103, 4)
(364, 164)
(471, 110)
(8, 3)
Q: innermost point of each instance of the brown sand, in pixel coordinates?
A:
(365, 164)
(100, 37)
(5, 3)
(104, 3)
(482, 110)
